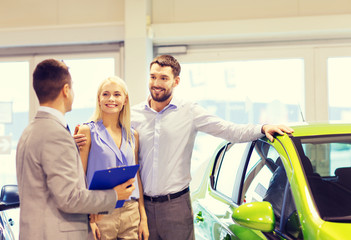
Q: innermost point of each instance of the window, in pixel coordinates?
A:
(256, 181)
(238, 90)
(18, 102)
(228, 169)
(87, 75)
(264, 160)
(14, 107)
(242, 86)
(327, 165)
(332, 80)
(14, 102)
(15, 95)
(325, 157)
(87, 72)
(339, 76)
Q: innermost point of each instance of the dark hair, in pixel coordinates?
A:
(49, 77)
(167, 61)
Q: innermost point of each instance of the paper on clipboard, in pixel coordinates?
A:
(109, 178)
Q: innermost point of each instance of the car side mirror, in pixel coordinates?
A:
(9, 197)
(255, 215)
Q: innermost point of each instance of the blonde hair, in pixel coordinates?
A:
(124, 116)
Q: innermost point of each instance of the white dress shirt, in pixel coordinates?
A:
(166, 141)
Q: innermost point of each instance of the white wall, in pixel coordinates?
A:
(179, 11)
(167, 22)
(34, 13)
(47, 22)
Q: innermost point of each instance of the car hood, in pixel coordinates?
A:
(334, 230)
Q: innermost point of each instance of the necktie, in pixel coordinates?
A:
(67, 127)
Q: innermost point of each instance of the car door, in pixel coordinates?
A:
(214, 211)
(244, 173)
(5, 228)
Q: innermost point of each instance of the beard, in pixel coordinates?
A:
(161, 97)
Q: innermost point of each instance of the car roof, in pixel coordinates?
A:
(313, 129)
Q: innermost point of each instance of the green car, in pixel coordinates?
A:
(298, 187)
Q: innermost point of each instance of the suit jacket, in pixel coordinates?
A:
(54, 200)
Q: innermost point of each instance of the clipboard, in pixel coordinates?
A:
(109, 178)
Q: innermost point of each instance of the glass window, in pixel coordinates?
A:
(250, 91)
(227, 173)
(256, 181)
(14, 114)
(327, 165)
(247, 91)
(14, 102)
(15, 94)
(326, 157)
(262, 164)
(339, 75)
(86, 76)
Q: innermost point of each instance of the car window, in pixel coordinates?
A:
(226, 170)
(327, 157)
(258, 172)
(326, 161)
(256, 182)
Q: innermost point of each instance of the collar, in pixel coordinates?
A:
(173, 104)
(54, 112)
(107, 138)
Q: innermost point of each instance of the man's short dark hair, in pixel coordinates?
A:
(49, 77)
(167, 61)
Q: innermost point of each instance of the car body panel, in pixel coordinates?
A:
(218, 208)
(307, 212)
(330, 230)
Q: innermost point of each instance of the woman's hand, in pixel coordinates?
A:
(143, 230)
(95, 230)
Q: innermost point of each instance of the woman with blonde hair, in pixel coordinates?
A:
(111, 142)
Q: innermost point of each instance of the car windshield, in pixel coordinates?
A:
(327, 164)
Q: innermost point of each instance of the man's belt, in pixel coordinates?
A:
(167, 197)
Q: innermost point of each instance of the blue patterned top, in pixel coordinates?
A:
(105, 154)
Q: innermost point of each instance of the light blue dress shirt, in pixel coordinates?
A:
(166, 141)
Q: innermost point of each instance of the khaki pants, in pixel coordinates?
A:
(123, 223)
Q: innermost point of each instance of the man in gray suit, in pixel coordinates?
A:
(53, 195)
